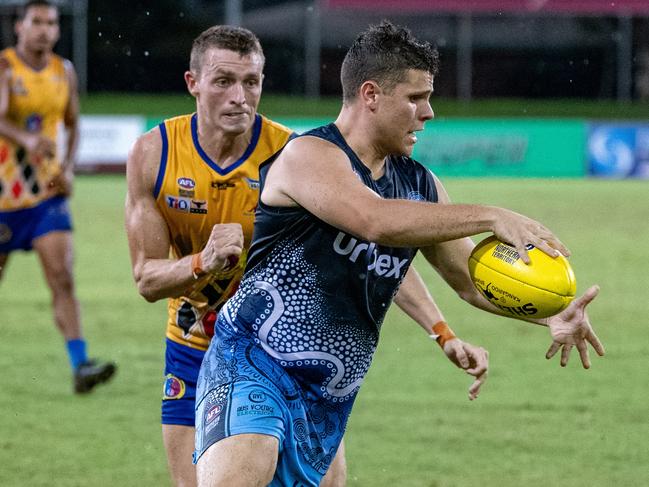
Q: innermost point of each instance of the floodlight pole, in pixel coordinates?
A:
(624, 57)
(233, 12)
(80, 42)
(464, 56)
(312, 46)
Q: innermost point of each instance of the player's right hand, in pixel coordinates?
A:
(472, 359)
(223, 248)
(40, 147)
(520, 231)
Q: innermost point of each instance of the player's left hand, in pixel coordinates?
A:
(61, 184)
(473, 360)
(572, 328)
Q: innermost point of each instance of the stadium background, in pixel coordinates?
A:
(556, 94)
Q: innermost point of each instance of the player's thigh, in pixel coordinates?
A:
(179, 445)
(244, 460)
(336, 476)
(56, 253)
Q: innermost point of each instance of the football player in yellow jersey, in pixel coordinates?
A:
(192, 192)
(38, 95)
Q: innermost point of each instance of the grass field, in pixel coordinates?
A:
(535, 424)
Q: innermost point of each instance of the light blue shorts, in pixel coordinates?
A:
(241, 389)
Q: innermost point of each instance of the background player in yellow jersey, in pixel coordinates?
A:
(192, 190)
(38, 94)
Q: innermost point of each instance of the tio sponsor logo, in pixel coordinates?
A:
(382, 264)
(180, 204)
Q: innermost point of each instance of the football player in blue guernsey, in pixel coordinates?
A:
(210, 160)
(342, 212)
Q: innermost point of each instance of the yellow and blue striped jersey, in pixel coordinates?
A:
(37, 103)
(193, 194)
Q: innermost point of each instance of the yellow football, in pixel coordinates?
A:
(536, 290)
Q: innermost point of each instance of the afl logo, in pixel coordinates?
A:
(213, 413)
(186, 183)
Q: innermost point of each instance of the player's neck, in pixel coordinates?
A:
(36, 60)
(358, 137)
(223, 148)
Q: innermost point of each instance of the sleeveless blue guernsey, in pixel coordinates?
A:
(311, 303)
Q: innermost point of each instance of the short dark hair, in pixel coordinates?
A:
(22, 10)
(228, 37)
(383, 53)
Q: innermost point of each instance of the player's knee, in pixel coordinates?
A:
(336, 476)
(61, 282)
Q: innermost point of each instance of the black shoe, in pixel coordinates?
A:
(91, 373)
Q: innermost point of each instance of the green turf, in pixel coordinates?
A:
(535, 424)
(284, 106)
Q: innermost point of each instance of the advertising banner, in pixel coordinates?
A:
(503, 148)
(494, 147)
(618, 150)
(105, 140)
(451, 147)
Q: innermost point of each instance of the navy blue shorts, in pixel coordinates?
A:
(179, 393)
(19, 228)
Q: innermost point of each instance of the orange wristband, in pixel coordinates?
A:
(442, 333)
(197, 266)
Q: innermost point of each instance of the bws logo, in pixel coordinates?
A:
(383, 264)
(186, 183)
(257, 396)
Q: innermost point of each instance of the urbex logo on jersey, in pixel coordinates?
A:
(383, 264)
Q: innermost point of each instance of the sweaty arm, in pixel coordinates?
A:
(157, 276)
(569, 328)
(316, 175)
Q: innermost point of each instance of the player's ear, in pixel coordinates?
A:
(369, 93)
(190, 80)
